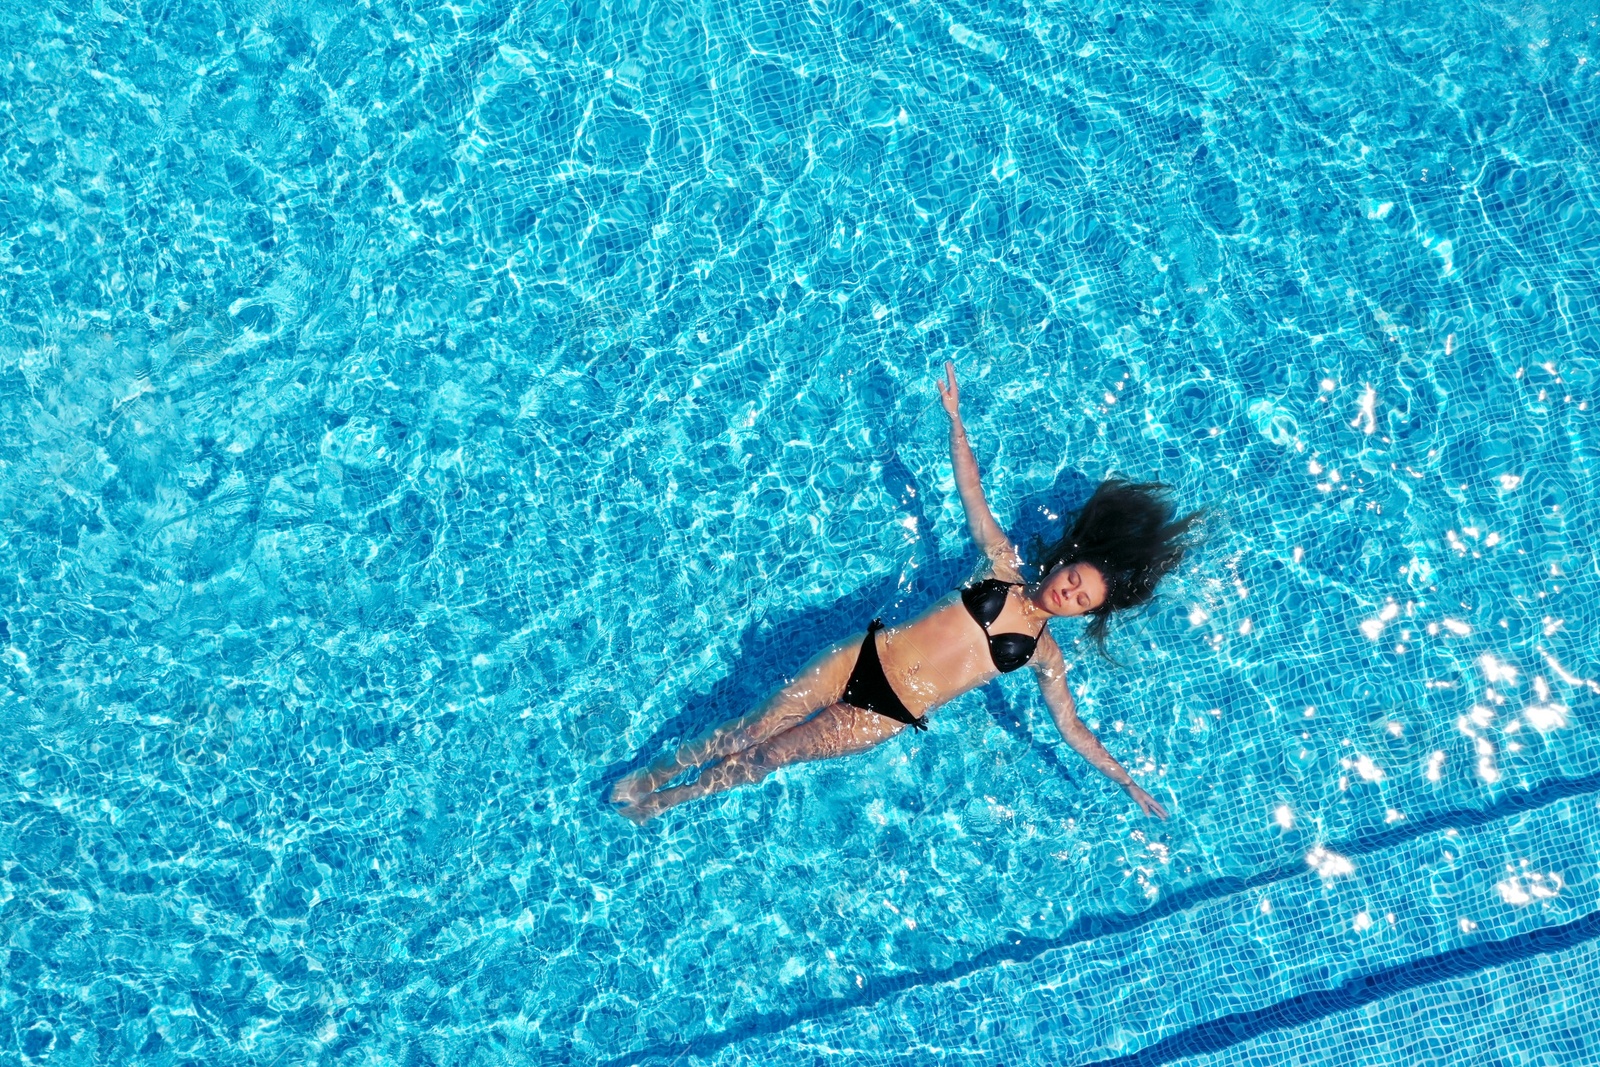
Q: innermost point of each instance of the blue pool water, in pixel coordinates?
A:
(419, 414)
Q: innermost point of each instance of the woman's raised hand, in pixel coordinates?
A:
(949, 391)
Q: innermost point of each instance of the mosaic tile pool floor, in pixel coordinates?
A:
(417, 415)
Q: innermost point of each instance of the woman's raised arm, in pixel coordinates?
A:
(980, 520)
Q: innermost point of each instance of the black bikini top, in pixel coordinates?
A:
(985, 601)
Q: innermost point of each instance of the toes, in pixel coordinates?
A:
(638, 814)
(629, 791)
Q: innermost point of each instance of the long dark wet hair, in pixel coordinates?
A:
(1128, 532)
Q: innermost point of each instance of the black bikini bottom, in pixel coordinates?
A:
(869, 689)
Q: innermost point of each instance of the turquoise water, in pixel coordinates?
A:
(418, 415)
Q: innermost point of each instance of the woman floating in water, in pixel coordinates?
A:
(865, 690)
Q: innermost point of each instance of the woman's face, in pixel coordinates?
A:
(1076, 589)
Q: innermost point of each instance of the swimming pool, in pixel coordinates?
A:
(419, 414)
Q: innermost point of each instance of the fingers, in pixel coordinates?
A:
(949, 391)
(1147, 803)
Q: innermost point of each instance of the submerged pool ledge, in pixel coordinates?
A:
(1230, 1030)
(1115, 936)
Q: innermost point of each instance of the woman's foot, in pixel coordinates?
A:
(629, 791)
(641, 811)
(643, 795)
(646, 780)
(636, 798)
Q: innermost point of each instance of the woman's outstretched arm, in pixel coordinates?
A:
(980, 520)
(1051, 670)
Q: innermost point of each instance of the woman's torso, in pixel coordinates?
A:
(943, 652)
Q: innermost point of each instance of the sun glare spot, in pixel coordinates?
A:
(1496, 671)
(1523, 889)
(1546, 717)
(1329, 864)
(1366, 416)
(1368, 770)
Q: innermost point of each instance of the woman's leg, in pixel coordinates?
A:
(819, 684)
(840, 730)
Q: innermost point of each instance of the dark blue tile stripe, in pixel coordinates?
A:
(1229, 1030)
(1020, 949)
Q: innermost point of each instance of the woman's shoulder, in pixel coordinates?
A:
(1005, 567)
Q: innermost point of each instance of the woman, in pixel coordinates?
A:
(865, 690)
